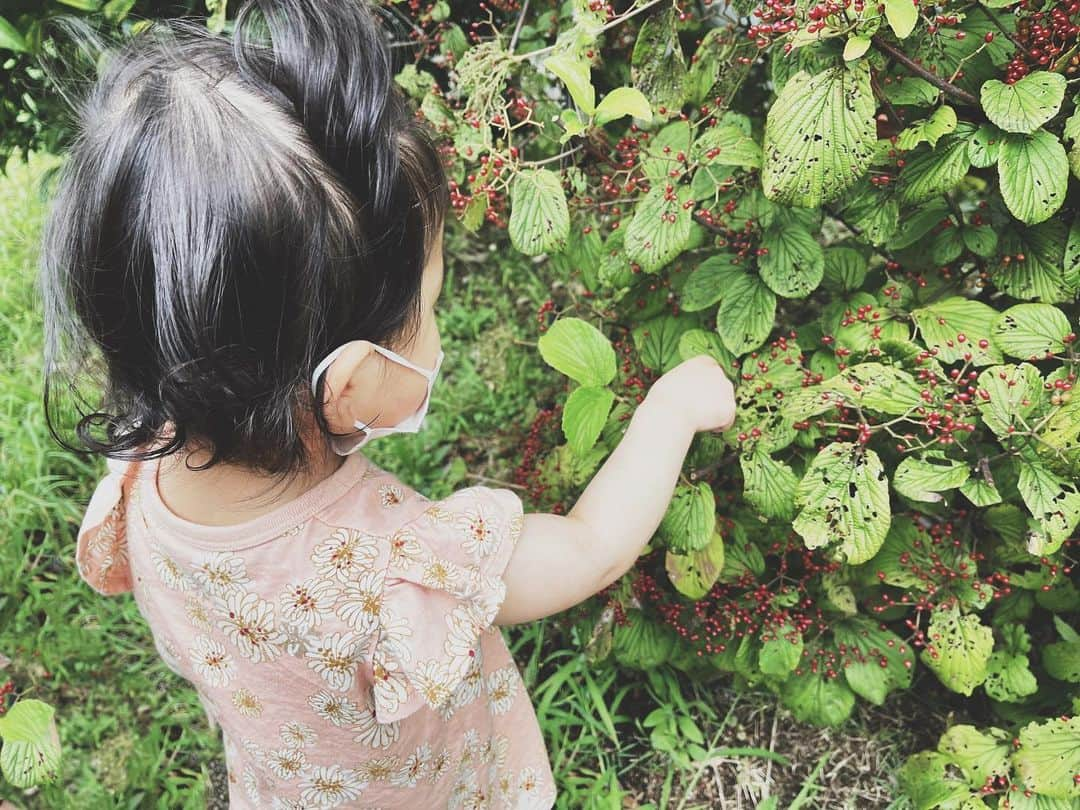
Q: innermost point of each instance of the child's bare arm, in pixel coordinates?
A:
(561, 560)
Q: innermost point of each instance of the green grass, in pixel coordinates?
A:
(134, 735)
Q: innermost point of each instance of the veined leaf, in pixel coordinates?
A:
(697, 341)
(31, 746)
(539, 219)
(1025, 105)
(935, 171)
(794, 262)
(902, 16)
(923, 479)
(579, 350)
(981, 756)
(584, 416)
(958, 326)
(959, 649)
(708, 282)
(819, 136)
(657, 65)
(1033, 173)
(1040, 275)
(814, 698)
(878, 661)
(780, 651)
(1048, 758)
(844, 501)
(690, 520)
(660, 229)
(929, 130)
(694, 573)
(769, 485)
(1008, 674)
(1031, 331)
(1053, 501)
(726, 146)
(746, 315)
(574, 71)
(623, 101)
(845, 269)
(1013, 394)
(984, 146)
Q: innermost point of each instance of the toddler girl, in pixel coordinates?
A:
(243, 227)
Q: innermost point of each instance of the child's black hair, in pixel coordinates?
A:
(230, 210)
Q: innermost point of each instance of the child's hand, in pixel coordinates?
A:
(697, 392)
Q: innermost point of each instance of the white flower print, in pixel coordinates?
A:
(379, 769)
(212, 662)
(433, 680)
(168, 571)
(462, 789)
(389, 685)
(286, 762)
(287, 804)
(221, 573)
(441, 574)
(529, 782)
(345, 554)
(439, 765)
(247, 703)
(462, 641)
(297, 735)
(502, 687)
(334, 708)
(404, 549)
(496, 750)
(414, 768)
(169, 653)
(391, 495)
(249, 624)
(470, 751)
(197, 612)
(375, 734)
(304, 604)
(471, 685)
(251, 786)
(252, 749)
(480, 531)
(362, 602)
(437, 514)
(394, 632)
(336, 659)
(330, 786)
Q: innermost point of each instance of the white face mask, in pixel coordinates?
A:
(345, 445)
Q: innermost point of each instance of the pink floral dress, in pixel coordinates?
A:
(343, 642)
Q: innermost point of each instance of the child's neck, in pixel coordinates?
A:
(225, 495)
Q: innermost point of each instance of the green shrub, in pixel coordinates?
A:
(864, 212)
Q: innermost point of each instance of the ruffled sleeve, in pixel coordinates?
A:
(101, 552)
(443, 588)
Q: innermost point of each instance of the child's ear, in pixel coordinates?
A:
(349, 382)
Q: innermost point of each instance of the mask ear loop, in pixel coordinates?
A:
(323, 365)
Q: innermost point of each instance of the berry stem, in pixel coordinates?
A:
(920, 71)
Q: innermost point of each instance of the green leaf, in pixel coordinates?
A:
(924, 779)
(1031, 331)
(845, 269)
(910, 91)
(1013, 395)
(698, 341)
(1033, 174)
(642, 642)
(1040, 274)
(539, 219)
(1053, 501)
(855, 47)
(984, 146)
(1059, 440)
(10, 38)
(623, 101)
(661, 154)
(942, 323)
(690, 520)
(959, 650)
(815, 699)
(657, 342)
(794, 262)
(579, 350)
(928, 130)
(694, 573)
(981, 240)
(819, 136)
(1008, 674)
(874, 386)
(585, 415)
(657, 65)
(923, 479)
(31, 746)
(902, 16)
(574, 71)
(876, 661)
(1072, 256)
(980, 756)
(980, 491)
(726, 146)
(1062, 660)
(780, 653)
(768, 485)
(934, 172)
(1049, 757)
(844, 501)
(706, 284)
(660, 229)
(1025, 105)
(746, 314)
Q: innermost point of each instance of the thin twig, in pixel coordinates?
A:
(485, 479)
(921, 72)
(553, 158)
(517, 28)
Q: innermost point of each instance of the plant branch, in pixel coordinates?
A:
(938, 82)
(517, 28)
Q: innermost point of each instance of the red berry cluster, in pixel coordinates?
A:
(1044, 36)
(7, 688)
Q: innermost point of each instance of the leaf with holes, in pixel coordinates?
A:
(660, 229)
(1048, 758)
(1025, 105)
(768, 485)
(932, 172)
(819, 136)
(707, 284)
(793, 263)
(690, 520)
(780, 650)
(1012, 394)
(1033, 174)
(584, 416)
(981, 756)
(959, 649)
(726, 145)
(1031, 331)
(694, 573)
(844, 502)
(657, 64)
(579, 350)
(30, 754)
(1031, 263)
(698, 341)
(1053, 501)
(746, 314)
(1008, 674)
(923, 479)
(928, 130)
(877, 661)
(942, 324)
(539, 219)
